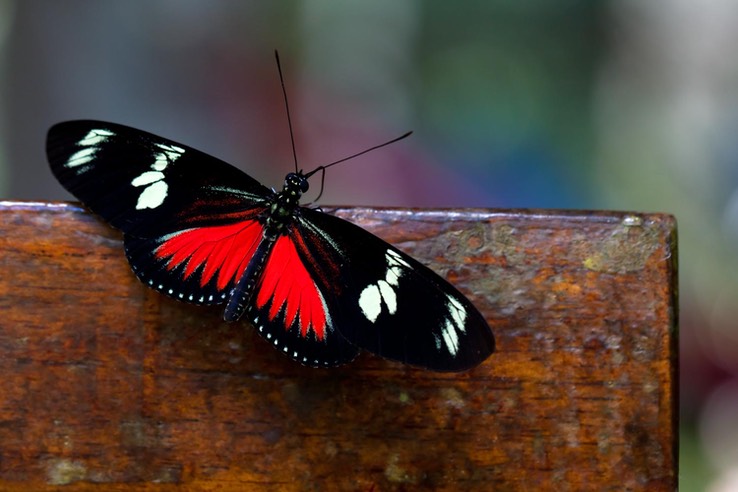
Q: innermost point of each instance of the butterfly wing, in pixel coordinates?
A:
(146, 185)
(388, 303)
(191, 228)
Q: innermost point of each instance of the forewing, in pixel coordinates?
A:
(147, 185)
(388, 303)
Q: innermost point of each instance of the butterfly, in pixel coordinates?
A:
(316, 287)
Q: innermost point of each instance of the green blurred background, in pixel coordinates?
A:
(627, 105)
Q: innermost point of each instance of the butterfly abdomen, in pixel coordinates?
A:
(242, 293)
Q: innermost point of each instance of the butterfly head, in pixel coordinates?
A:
(296, 184)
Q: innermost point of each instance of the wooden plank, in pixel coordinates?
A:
(107, 384)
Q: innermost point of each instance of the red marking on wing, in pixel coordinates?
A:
(285, 281)
(225, 250)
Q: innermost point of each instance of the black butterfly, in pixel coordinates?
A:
(318, 288)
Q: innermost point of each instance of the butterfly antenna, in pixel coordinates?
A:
(326, 166)
(287, 107)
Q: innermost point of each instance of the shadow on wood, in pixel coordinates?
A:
(107, 383)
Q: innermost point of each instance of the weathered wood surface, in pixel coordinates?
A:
(107, 384)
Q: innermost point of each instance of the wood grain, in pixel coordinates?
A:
(108, 385)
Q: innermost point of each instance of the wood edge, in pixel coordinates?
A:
(467, 213)
(672, 233)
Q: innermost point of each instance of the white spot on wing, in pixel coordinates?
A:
(450, 337)
(393, 275)
(95, 137)
(388, 296)
(147, 178)
(384, 292)
(153, 195)
(169, 154)
(370, 302)
(457, 312)
(81, 157)
(394, 258)
(172, 149)
(455, 323)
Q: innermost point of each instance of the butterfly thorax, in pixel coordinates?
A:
(283, 204)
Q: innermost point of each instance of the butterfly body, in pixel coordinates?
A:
(275, 219)
(316, 287)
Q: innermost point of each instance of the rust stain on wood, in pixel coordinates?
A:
(107, 384)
